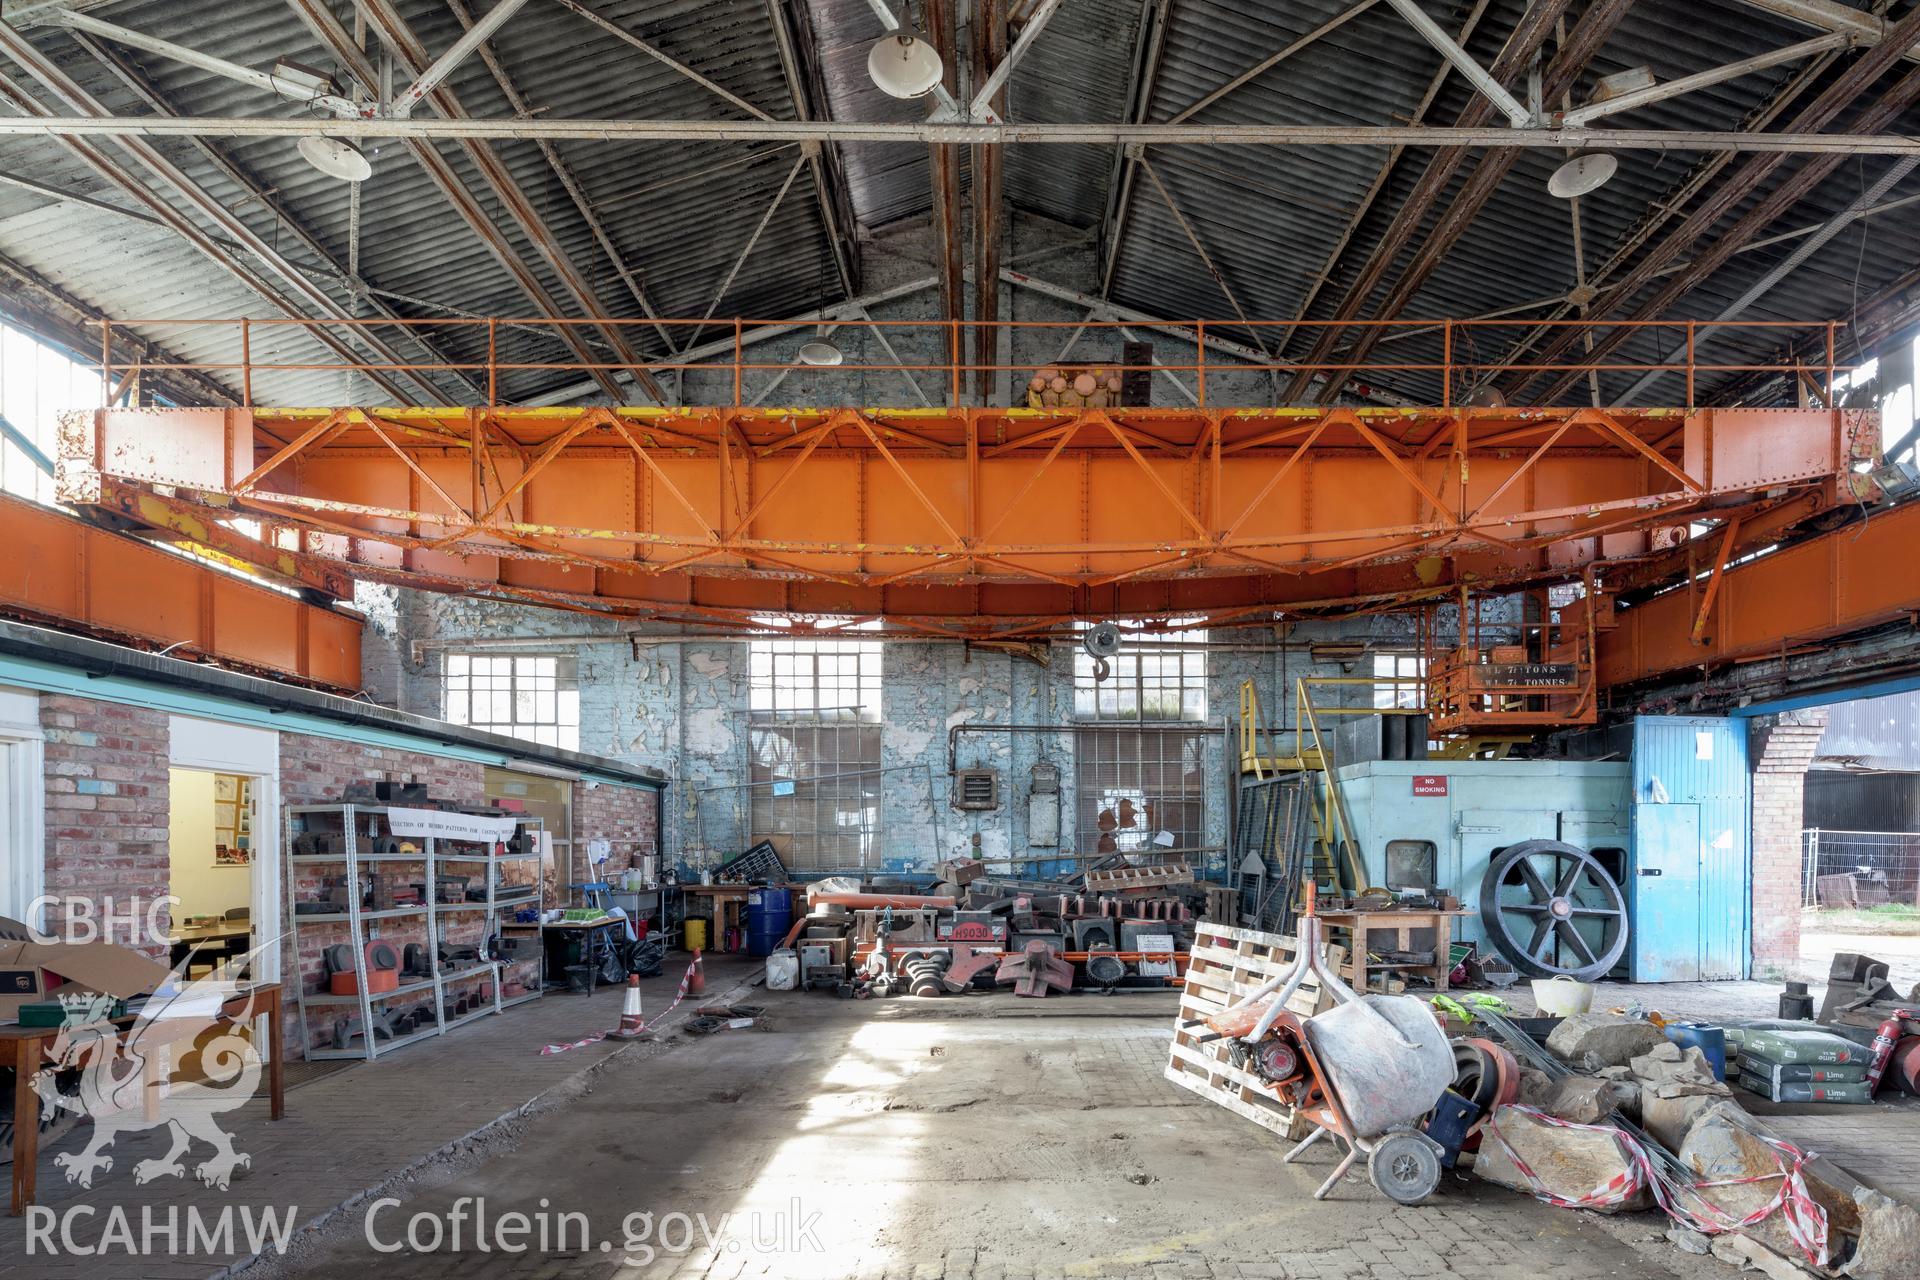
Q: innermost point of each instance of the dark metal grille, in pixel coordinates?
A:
(1272, 834)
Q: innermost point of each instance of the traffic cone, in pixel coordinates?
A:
(632, 1025)
(696, 977)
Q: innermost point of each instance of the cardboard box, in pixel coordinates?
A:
(34, 971)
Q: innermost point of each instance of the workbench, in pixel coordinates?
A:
(1401, 923)
(723, 906)
(662, 904)
(572, 942)
(25, 1048)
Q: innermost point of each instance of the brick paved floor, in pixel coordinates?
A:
(343, 1133)
(980, 1137)
(944, 1139)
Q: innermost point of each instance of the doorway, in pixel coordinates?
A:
(211, 821)
(224, 846)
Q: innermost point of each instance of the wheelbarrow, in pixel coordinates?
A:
(1365, 1072)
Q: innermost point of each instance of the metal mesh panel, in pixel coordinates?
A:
(826, 821)
(1864, 869)
(1134, 787)
(822, 798)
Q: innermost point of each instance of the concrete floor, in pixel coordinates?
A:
(979, 1136)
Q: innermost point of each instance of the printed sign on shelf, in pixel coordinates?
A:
(449, 826)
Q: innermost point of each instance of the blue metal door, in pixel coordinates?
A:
(1689, 873)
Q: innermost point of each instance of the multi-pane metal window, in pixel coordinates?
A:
(814, 750)
(1155, 676)
(827, 680)
(1399, 675)
(1141, 790)
(536, 697)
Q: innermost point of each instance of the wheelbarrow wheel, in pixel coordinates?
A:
(1404, 1167)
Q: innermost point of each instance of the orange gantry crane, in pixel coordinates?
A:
(999, 523)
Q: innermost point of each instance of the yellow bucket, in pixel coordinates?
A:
(696, 935)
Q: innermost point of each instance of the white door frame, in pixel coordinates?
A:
(193, 743)
(23, 834)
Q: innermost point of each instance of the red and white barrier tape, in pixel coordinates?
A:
(685, 978)
(1806, 1221)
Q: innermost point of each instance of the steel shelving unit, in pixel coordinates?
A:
(356, 824)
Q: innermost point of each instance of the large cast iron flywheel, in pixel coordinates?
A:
(1552, 909)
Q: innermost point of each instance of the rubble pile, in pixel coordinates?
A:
(1582, 1136)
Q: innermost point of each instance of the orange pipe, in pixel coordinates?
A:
(906, 900)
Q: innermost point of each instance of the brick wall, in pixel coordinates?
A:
(106, 814)
(1782, 748)
(107, 838)
(629, 817)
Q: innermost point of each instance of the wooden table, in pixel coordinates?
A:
(723, 902)
(1401, 923)
(184, 941)
(28, 1057)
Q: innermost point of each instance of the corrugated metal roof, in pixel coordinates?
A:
(1873, 733)
(678, 214)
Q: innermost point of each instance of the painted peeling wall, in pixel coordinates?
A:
(681, 707)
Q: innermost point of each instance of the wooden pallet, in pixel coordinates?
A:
(1116, 878)
(1226, 964)
(1222, 903)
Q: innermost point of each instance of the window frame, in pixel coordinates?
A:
(1398, 696)
(1189, 686)
(852, 665)
(560, 715)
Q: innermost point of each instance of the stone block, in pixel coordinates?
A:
(1889, 1243)
(1569, 1163)
(1668, 1120)
(1594, 1041)
(1722, 1146)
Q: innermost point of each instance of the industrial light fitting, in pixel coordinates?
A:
(335, 158)
(903, 65)
(821, 353)
(1583, 173)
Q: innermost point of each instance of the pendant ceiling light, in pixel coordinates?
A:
(904, 65)
(335, 158)
(820, 352)
(1583, 173)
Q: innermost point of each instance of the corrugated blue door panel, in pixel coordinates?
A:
(1699, 762)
